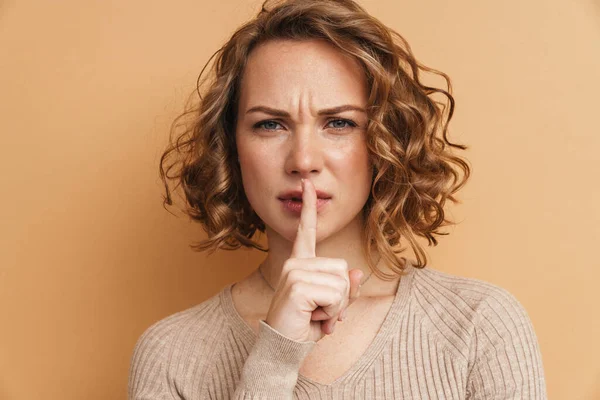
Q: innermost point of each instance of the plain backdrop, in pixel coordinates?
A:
(89, 258)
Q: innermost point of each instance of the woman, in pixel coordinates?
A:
(318, 132)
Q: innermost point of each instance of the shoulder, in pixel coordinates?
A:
(465, 309)
(166, 344)
(471, 295)
(181, 326)
(486, 326)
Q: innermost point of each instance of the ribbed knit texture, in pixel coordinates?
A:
(444, 337)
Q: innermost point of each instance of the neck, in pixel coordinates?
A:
(346, 244)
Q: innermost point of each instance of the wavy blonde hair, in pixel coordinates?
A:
(414, 169)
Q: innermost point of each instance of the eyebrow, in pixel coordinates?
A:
(325, 111)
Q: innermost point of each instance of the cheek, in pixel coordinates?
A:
(354, 174)
(246, 158)
(255, 167)
(249, 181)
(351, 162)
(254, 161)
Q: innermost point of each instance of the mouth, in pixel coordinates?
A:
(296, 195)
(294, 205)
(291, 200)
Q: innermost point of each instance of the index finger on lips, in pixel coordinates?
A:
(306, 236)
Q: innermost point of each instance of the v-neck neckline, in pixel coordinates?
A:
(388, 326)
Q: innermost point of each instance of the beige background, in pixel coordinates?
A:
(89, 258)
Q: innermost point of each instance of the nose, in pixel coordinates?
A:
(305, 154)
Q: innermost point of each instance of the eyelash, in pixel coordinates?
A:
(351, 124)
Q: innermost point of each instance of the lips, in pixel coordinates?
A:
(297, 195)
(295, 206)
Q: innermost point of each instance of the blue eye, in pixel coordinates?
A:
(262, 123)
(347, 121)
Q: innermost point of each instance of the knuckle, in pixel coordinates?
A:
(342, 264)
(296, 289)
(342, 284)
(294, 275)
(288, 265)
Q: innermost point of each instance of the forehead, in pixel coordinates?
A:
(280, 73)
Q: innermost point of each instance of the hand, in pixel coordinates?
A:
(312, 291)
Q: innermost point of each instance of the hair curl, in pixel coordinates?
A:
(414, 171)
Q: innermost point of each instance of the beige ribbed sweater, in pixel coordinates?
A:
(444, 337)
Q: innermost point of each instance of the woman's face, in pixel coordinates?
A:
(283, 133)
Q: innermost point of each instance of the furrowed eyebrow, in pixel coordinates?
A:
(326, 111)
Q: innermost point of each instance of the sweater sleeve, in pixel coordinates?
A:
(505, 360)
(271, 369)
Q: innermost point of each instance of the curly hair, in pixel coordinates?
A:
(414, 170)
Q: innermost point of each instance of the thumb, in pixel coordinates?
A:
(356, 276)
